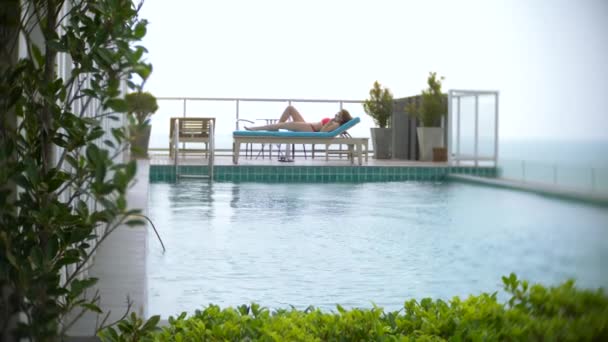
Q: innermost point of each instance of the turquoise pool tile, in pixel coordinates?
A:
(424, 172)
(295, 173)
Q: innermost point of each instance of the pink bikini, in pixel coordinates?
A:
(324, 122)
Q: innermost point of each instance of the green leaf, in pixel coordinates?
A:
(340, 309)
(78, 286)
(140, 30)
(52, 248)
(11, 259)
(105, 56)
(57, 45)
(135, 222)
(121, 203)
(95, 134)
(90, 93)
(117, 105)
(92, 307)
(92, 153)
(143, 70)
(150, 325)
(38, 57)
(131, 169)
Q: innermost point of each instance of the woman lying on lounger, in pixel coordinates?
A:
(298, 124)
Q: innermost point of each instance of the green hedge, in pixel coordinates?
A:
(534, 313)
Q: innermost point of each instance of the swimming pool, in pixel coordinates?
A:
(301, 244)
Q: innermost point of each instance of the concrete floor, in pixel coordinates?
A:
(319, 160)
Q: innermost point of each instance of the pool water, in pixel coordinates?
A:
(361, 244)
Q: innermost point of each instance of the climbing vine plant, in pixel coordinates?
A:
(62, 187)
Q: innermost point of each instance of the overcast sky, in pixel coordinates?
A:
(548, 59)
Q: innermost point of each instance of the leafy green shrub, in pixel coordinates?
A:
(433, 104)
(379, 105)
(140, 106)
(62, 183)
(534, 313)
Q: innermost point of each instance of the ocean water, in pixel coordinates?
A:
(361, 244)
(590, 153)
(576, 165)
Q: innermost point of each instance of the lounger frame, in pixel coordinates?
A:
(355, 145)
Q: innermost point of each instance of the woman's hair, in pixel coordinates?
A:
(345, 116)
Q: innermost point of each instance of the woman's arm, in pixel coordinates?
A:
(330, 126)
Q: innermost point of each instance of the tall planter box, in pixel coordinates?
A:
(382, 139)
(139, 144)
(404, 140)
(429, 138)
(408, 141)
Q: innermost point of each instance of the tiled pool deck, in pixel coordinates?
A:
(311, 170)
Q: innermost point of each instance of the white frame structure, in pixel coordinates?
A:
(454, 117)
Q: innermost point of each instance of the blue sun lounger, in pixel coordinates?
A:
(337, 136)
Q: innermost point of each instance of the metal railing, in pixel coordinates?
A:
(589, 179)
(238, 101)
(231, 112)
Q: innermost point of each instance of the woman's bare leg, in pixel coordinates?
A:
(291, 126)
(291, 112)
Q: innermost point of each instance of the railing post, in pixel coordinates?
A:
(236, 123)
(592, 179)
(554, 174)
(448, 142)
(212, 148)
(184, 114)
(288, 147)
(523, 171)
(176, 147)
(496, 128)
(476, 130)
(458, 131)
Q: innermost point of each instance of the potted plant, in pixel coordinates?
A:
(380, 107)
(140, 106)
(432, 107)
